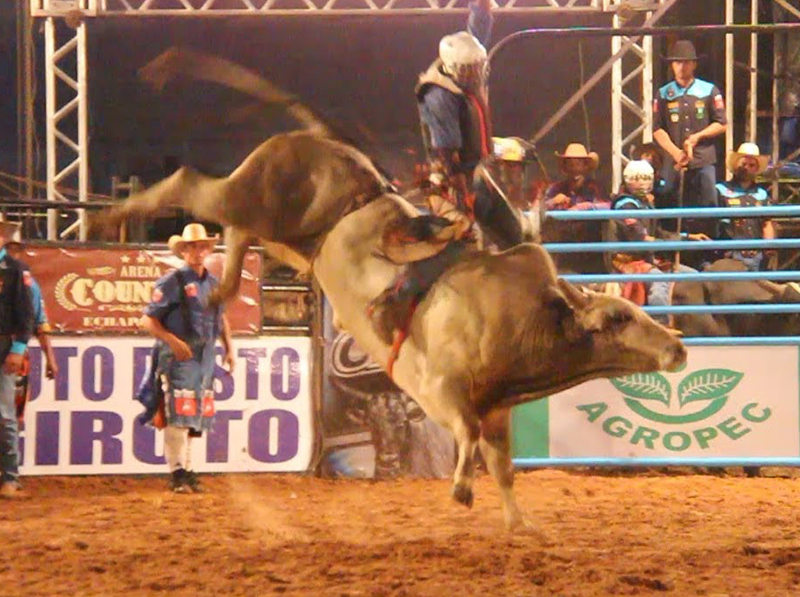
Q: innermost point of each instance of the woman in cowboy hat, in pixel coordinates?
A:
(578, 190)
(688, 113)
(180, 395)
(742, 191)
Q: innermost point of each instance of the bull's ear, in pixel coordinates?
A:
(563, 313)
(575, 297)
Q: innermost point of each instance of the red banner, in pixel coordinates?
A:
(104, 290)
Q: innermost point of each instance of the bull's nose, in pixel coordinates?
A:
(676, 357)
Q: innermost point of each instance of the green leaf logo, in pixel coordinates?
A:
(644, 386)
(707, 384)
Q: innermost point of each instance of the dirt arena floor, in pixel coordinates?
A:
(602, 534)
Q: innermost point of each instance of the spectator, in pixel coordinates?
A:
(578, 190)
(179, 393)
(742, 191)
(16, 325)
(637, 194)
(41, 327)
(688, 114)
(650, 153)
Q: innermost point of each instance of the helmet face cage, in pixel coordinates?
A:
(639, 178)
(470, 75)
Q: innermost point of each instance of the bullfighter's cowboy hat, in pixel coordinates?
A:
(578, 151)
(683, 50)
(747, 150)
(192, 233)
(9, 229)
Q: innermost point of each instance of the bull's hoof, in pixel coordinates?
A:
(463, 495)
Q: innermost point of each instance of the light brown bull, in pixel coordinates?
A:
(493, 331)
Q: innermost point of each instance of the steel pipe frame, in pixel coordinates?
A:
(669, 245)
(785, 211)
(631, 462)
(142, 8)
(742, 309)
(787, 276)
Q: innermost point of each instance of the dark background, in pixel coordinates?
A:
(359, 71)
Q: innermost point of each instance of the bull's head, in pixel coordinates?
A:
(615, 335)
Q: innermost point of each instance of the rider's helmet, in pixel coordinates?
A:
(638, 176)
(463, 58)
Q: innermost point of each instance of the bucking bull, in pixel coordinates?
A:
(495, 330)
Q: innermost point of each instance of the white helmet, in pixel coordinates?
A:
(638, 176)
(463, 58)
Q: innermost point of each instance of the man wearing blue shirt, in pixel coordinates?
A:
(16, 325)
(186, 329)
(41, 326)
(742, 191)
(688, 113)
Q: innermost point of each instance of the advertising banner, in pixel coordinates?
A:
(91, 290)
(727, 402)
(84, 421)
(371, 427)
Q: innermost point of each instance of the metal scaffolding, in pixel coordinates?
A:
(211, 8)
(67, 129)
(632, 78)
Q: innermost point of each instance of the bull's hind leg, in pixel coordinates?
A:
(495, 446)
(186, 188)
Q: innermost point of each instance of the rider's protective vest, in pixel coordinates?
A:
(474, 124)
(732, 195)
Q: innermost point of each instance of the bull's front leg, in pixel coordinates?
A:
(495, 445)
(236, 244)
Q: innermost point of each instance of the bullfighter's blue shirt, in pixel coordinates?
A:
(165, 306)
(440, 108)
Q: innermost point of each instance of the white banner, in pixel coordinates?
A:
(734, 401)
(84, 422)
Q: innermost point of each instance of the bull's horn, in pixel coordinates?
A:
(771, 287)
(676, 333)
(573, 295)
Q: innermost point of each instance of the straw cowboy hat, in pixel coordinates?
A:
(747, 150)
(683, 50)
(192, 233)
(578, 151)
(9, 229)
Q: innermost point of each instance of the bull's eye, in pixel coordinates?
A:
(619, 318)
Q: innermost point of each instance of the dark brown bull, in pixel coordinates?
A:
(494, 331)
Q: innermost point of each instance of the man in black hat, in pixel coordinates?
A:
(688, 113)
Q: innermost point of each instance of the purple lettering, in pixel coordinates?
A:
(63, 354)
(47, 435)
(217, 442)
(144, 444)
(268, 442)
(251, 356)
(83, 437)
(88, 362)
(141, 363)
(290, 373)
(35, 376)
(222, 378)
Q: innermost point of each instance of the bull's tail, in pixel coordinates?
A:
(182, 62)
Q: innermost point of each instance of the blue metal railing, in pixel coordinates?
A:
(679, 276)
(672, 245)
(777, 211)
